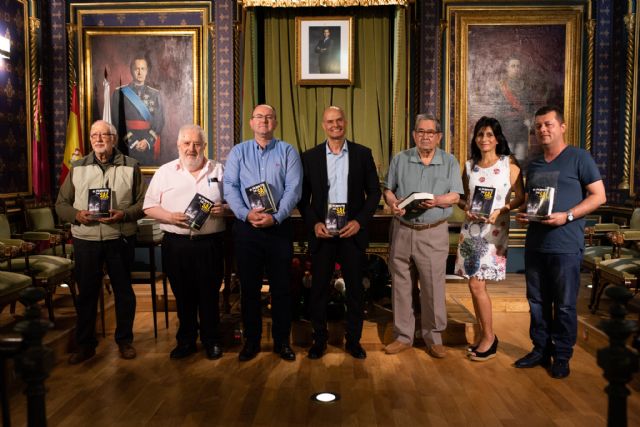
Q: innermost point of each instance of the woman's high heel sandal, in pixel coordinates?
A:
(477, 356)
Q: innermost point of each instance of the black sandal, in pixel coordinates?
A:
(485, 355)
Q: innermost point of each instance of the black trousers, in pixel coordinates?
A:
(352, 264)
(90, 256)
(195, 269)
(257, 251)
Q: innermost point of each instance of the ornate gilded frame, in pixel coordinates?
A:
(308, 33)
(462, 20)
(632, 110)
(168, 33)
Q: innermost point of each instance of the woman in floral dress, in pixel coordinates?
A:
(482, 249)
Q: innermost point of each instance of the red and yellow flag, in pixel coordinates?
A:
(73, 149)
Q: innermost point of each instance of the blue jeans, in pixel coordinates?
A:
(553, 282)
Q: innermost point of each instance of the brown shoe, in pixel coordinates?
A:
(437, 350)
(127, 351)
(396, 347)
(81, 355)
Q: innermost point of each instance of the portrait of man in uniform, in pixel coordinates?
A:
(145, 85)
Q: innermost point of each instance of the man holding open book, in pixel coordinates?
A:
(340, 193)
(555, 240)
(420, 234)
(185, 196)
(99, 238)
(266, 169)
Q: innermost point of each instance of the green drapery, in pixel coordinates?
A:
(375, 105)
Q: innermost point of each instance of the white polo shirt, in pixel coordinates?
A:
(172, 188)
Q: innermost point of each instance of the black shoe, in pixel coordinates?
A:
(532, 360)
(248, 352)
(478, 356)
(560, 368)
(213, 351)
(317, 350)
(285, 352)
(356, 350)
(182, 350)
(83, 353)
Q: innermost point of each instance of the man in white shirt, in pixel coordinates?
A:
(192, 259)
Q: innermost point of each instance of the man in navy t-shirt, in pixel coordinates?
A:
(554, 245)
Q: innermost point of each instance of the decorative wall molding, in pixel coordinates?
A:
(322, 3)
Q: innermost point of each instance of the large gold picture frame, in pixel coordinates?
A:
(484, 43)
(111, 36)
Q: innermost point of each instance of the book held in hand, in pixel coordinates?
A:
(336, 217)
(99, 202)
(198, 211)
(540, 203)
(260, 197)
(482, 201)
(413, 200)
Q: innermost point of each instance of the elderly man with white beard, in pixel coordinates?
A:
(192, 259)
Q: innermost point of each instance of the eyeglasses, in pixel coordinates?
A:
(100, 135)
(261, 117)
(428, 133)
(190, 143)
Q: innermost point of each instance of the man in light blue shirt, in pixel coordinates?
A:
(264, 241)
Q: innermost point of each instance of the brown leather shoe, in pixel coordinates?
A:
(81, 355)
(437, 350)
(396, 347)
(127, 351)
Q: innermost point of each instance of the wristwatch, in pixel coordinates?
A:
(569, 216)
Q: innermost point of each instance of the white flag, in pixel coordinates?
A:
(106, 108)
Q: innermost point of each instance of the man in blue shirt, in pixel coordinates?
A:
(554, 246)
(342, 174)
(263, 241)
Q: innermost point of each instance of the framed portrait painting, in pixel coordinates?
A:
(146, 82)
(507, 63)
(324, 50)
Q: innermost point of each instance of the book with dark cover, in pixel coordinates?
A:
(413, 200)
(482, 201)
(540, 203)
(99, 202)
(198, 211)
(336, 217)
(260, 197)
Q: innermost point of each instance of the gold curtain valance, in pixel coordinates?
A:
(322, 3)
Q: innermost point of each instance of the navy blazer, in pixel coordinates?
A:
(363, 190)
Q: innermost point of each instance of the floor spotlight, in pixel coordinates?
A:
(325, 397)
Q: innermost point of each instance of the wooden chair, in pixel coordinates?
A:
(40, 217)
(621, 269)
(46, 271)
(11, 284)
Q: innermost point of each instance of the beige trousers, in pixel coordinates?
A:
(419, 255)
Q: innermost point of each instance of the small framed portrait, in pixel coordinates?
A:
(324, 50)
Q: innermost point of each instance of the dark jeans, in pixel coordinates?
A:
(352, 263)
(195, 269)
(90, 256)
(259, 250)
(553, 282)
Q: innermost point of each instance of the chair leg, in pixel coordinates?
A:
(595, 282)
(166, 301)
(12, 308)
(153, 307)
(601, 289)
(48, 300)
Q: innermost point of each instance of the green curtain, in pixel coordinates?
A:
(379, 83)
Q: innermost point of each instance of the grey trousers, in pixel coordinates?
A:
(419, 255)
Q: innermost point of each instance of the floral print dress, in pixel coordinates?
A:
(482, 248)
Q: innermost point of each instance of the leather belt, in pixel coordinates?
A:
(193, 236)
(419, 227)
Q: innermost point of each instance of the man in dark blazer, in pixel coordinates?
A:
(338, 172)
